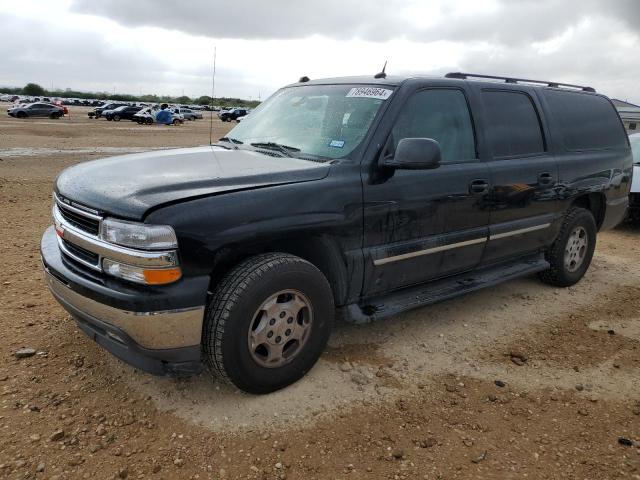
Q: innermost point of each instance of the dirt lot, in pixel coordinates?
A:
(519, 381)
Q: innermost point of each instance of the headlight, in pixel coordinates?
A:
(147, 276)
(138, 235)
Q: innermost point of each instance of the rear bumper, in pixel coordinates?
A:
(161, 342)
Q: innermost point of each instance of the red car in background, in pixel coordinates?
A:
(65, 110)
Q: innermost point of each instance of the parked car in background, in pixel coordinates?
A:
(187, 113)
(232, 114)
(147, 116)
(98, 111)
(144, 116)
(125, 112)
(36, 110)
(634, 196)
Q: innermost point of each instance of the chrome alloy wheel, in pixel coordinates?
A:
(280, 328)
(576, 249)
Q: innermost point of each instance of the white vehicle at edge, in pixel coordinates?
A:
(634, 196)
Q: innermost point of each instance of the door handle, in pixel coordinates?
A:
(545, 178)
(479, 187)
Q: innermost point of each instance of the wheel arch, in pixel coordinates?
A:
(594, 202)
(321, 251)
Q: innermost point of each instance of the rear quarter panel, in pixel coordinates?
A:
(605, 171)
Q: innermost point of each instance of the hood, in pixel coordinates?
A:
(128, 186)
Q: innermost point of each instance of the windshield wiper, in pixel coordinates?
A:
(232, 141)
(286, 149)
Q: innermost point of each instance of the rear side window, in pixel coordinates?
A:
(586, 121)
(513, 125)
(442, 115)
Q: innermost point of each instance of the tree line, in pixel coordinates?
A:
(35, 90)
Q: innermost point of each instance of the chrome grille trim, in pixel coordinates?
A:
(74, 207)
(94, 244)
(75, 258)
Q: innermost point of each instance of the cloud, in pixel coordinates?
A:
(495, 21)
(165, 47)
(254, 19)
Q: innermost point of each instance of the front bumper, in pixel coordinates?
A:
(161, 342)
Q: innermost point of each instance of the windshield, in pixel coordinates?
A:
(635, 148)
(320, 120)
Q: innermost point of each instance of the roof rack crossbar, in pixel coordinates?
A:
(464, 76)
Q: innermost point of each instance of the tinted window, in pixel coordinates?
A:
(513, 126)
(586, 121)
(442, 115)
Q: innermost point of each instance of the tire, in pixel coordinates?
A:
(21, 115)
(116, 118)
(109, 118)
(148, 121)
(568, 256)
(54, 116)
(234, 313)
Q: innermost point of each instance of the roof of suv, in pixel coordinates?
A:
(395, 80)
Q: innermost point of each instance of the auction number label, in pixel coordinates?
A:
(370, 92)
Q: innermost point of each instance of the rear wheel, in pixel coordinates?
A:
(55, 115)
(268, 322)
(148, 121)
(571, 253)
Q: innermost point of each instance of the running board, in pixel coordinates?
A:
(437, 291)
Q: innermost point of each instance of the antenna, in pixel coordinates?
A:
(213, 90)
(382, 74)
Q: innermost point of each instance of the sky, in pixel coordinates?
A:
(166, 46)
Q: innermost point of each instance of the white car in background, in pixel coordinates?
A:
(634, 196)
(148, 116)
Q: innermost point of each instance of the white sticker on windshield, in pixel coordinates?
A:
(370, 92)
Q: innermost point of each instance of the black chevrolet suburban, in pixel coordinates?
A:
(353, 198)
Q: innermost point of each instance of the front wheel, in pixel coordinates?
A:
(571, 253)
(268, 322)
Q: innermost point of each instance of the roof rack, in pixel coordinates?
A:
(464, 76)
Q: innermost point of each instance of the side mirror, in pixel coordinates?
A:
(415, 154)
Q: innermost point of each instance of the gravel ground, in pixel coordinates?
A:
(518, 381)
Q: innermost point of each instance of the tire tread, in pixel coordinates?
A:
(227, 294)
(555, 255)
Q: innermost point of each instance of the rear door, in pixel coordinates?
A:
(423, 224)
(37, 110)
(523, 200)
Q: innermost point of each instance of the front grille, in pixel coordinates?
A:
(78, 220)
(82, 254)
